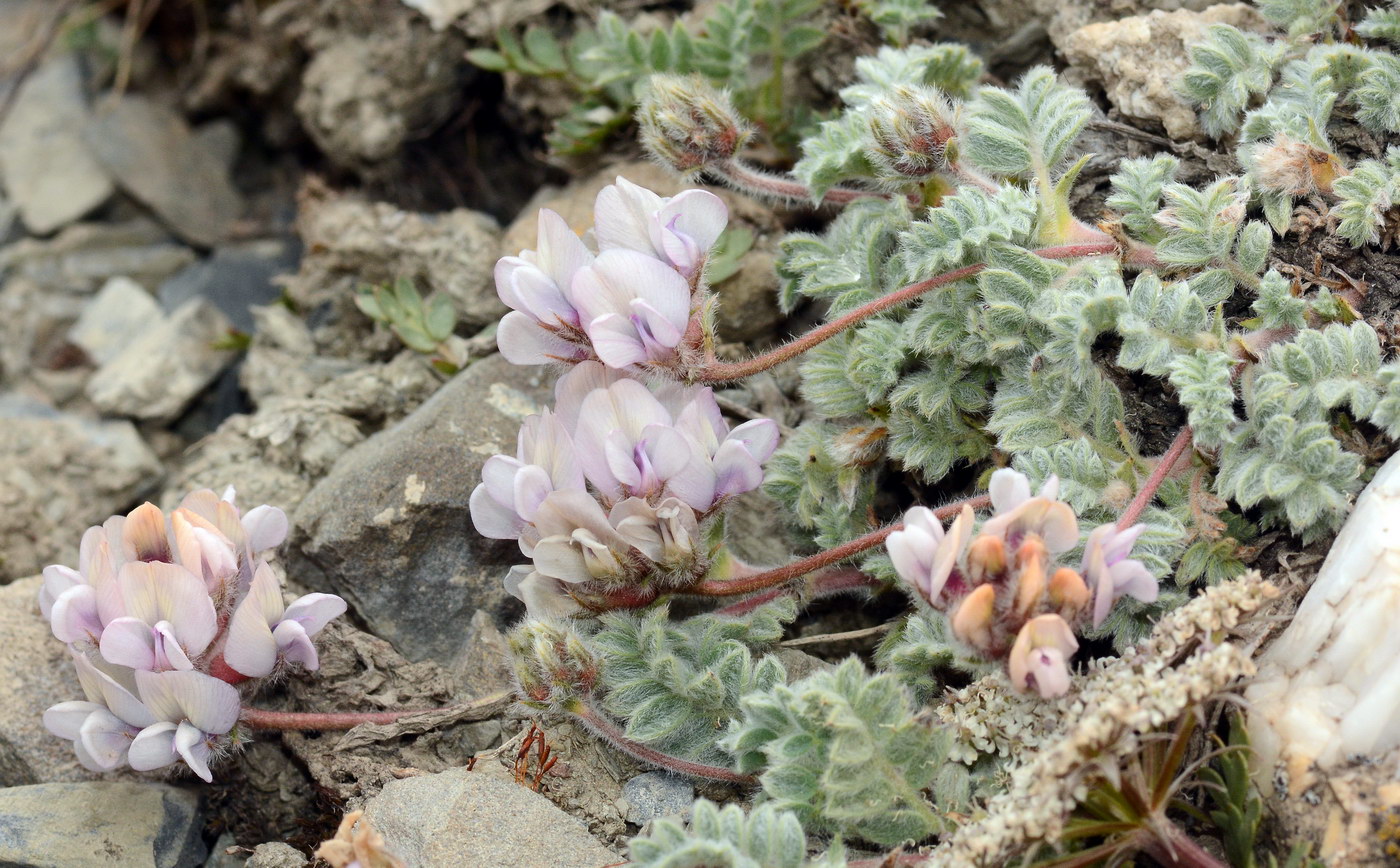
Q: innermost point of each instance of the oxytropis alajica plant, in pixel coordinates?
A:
(617, 496)
(973, 319)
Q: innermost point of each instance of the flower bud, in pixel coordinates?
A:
(986, 559)
(911, 128)
(972, 622)
(1031, 584)
(1068, 593)
(688, 124)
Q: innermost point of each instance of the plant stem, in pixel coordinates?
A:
(1173, 848)
(723, 372)
(600, 724)
(752, 180)
(482, 708)
(832, 581)
(1165, 465)
(788, 572)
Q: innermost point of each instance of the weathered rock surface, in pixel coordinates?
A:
(351, 242)
(149, 149)
(59, 474)
(47, 170)
(115, 317)
(100, 823)
(389, 528)
(275, 854)
(458, 817)
(155, 376)
(1139, 59)
(40, 674)
(363, 96)
(85, 256)
(657, 794)
(748, 300)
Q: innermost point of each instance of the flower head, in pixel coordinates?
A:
(1003, 589)
(162, 613)
(537, 286)
(911, 128)
(677, 230)
(1285, 165)
(690, 125)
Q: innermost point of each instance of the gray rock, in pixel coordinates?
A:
(83, 257)
(158, 374)
(657, 794)
(234, 279)
(149, 149)
(389, 528)
(114, 318)
(47, 169)
(40, 675)
(457, 818)
(100, 823)
(219, 857)
(276, 855)
(59, 474)
(351, 242)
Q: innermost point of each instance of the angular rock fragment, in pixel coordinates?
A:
(100, 823)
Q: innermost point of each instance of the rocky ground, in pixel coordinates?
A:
(186, 210)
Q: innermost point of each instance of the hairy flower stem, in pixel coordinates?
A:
(759, 183)
(788, 572)
(833, 581)
(1165, 465)
(482, 708)
(722, 372)
(600, 724)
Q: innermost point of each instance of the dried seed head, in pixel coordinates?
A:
(688, 124)
(1286, 165)
(911, 128)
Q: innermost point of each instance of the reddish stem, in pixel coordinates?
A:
(224, 672)
(259, 718)
(823, 584)
(1165, 465)
(752, 180)
(788, 572)
(600, 724)
(723, 372)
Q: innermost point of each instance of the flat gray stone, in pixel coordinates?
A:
(47, 169)
(114, 318)
(157, 375)
(458, 818)
(151, 153)
(389, 527)
(657, 794)
(100, 823)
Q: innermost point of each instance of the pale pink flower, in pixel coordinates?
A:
(264, 632)
(1111, 573)
(1040, 657)
(1019, 514)
(634, 308)
(679, 230)
(923, 555)
(537, 287)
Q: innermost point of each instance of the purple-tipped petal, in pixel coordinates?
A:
(57, 579)
(73, 616)
(266, 527)
(314, 611)
(736, 470)
(759, 437)
(616, 341)
(106, 738)
(193, 747)
(65, 719)
(699, 214)
(129, 642)
(153, 747)
(294, 646)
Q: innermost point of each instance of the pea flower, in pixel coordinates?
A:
(1003, 589)
(635, 308)
(677, 230)
(537, 286)
(162, 616)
